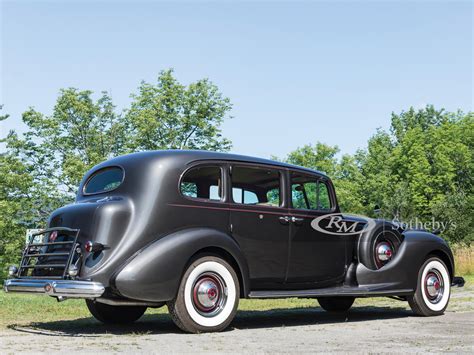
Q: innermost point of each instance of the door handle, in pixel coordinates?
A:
(284, 219)
(297, 220)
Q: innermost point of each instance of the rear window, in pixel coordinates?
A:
(104, 180)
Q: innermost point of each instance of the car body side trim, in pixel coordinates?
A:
(331, 291)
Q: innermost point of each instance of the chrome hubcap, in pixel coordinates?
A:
(434, 287)
(209, 294)
(383, 253)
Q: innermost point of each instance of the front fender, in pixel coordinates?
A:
(402, 271)
(154, 274)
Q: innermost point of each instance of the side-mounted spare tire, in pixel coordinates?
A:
(378, 245)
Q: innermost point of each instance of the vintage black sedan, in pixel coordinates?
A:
(199, 230)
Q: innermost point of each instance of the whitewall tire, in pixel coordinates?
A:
(208, 296)
(433, 289)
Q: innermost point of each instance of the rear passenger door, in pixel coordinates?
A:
(201, 201)
(256, 207)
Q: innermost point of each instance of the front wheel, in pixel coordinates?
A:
(114, 314)
(207, 298)
(433, 289)
(336, 304)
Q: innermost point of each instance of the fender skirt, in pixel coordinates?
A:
(154, 273)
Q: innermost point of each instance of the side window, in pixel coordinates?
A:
(256, 186)
(202, 182)
(304, 195)
(244, 196)
(273, 197)
(308, 193)
(324, 199)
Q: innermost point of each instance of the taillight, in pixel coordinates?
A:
(92, 247)
(89, 245)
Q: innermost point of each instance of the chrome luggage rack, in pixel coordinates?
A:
(34, 261)
(57, 278)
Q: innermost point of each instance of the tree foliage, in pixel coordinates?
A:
(79, 134)
(15, 183)
(169, 115)
(422, 169)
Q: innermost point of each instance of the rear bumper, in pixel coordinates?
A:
(55, 288)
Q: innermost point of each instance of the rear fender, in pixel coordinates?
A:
(402, 271)
(154, 274)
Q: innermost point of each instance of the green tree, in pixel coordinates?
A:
(169, 115)
(345, 172)
(82, 132)
(15, 184)
(414, 171)
(79, 134)
(320, 157)
(422, 168)
(375, 166)
(348, 181)
(457, 211)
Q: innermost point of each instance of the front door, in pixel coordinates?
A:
(315, 257)
(255, 209)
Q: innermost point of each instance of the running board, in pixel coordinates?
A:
(330, 291)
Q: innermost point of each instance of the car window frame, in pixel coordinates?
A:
(318, 179)
(281, 178)
(202, 165)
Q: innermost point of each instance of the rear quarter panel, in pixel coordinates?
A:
(155, 272)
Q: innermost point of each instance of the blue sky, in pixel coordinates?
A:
(297, 72)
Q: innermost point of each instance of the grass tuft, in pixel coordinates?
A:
(464, 260)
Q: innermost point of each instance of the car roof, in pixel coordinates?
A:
(189, 156)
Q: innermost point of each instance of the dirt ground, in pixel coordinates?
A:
(365, 329)
(288, 331)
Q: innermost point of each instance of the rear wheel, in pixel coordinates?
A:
(207, 298)
(115, 314)
(336, 304)
(433, 289)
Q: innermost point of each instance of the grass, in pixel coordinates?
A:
(22, 309)
(464, 260)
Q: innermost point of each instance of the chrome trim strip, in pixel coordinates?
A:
(332, 291)
(56, 288)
